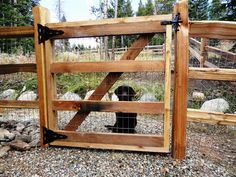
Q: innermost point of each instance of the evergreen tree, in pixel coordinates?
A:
(230, 6)
(149, 8)
(141, 9)
(216, 10)
(198, 9)
(16, 13)
(164, 7)
(65, 42)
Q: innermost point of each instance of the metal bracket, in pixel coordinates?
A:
(50, 136)
(175, 22)
(45, 33)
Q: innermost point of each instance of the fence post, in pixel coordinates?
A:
(181, 83)
(203, 52)
(41, 16)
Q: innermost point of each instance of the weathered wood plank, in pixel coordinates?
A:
(110, 146)
(195, 42)
(15, 68)
(109, 27)
(110, 79)
(226, 54)
(203, 52)
(112, 66)
(213, 29)
(109, 106)
(200, 116)
(16, 32)
(41, 15)
(167, 92)
(118, 141)
(19, 104)
(212, 74)
(181, 83)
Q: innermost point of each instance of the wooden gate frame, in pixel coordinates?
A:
(146, 27)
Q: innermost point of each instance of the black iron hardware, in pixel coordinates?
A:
(45, 33)
(50, 136)
(175, 22)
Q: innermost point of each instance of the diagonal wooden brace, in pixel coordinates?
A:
(110, 80)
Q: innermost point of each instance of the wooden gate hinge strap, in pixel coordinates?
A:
(50, 136)
(175, 22)
(45, 33)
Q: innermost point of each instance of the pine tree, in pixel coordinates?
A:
(141, 9)
(198, 9)
(164, 7)
(149, 8)
(230, 6)
(17, 13)
(216, 10)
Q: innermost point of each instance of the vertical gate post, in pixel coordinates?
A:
(181, 83)
(203, 52)
(41, 16)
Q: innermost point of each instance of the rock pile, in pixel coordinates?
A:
(19, 136)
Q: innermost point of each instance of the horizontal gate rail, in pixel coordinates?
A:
(134, 142)
(112, 66)
(110, 106)
(19, 104)
(15, 68)
(109, 27)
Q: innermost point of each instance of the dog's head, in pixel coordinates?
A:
(125, 93)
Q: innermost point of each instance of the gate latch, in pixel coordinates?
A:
(45, 33)
(50, 136)
(175, 22)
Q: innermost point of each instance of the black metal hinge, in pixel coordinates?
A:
(50, 136)
(45, 33)
(175, 22)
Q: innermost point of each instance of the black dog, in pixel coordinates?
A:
(125, 122)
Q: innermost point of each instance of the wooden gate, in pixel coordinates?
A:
(146, 28)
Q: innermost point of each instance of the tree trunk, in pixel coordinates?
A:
(106, 38)
(114, 37)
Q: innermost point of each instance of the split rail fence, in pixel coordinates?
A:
(146, 27)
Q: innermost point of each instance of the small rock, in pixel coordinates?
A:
(4, 151)
(28, 95)
(19, 145)
(70, 96)
(89, 93)
(25, 138)
(20, 127)
(9, 94)
(198, 96)
(148, 97)
(5, 135)
(215, 105)
(114, 97)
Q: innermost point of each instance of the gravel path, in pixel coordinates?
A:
(211, 151)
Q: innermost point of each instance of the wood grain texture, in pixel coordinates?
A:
(19, 104)
(109, 106)
(212, 74)
(167, 92)
(203, 52)
(214, 118)
(109, 27)
(16, 32)
(112, 66)
(110, 79)
(181, 83)
(118, 141)
(226, 54)
(15, 68)
(41, 15)
(213, 29)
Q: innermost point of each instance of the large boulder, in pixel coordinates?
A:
(215, 105)
(70, 96)
(89, 93)
(148, 97)
(9, 94)
(28, 95)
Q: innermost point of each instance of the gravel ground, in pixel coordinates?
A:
(211, 151)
